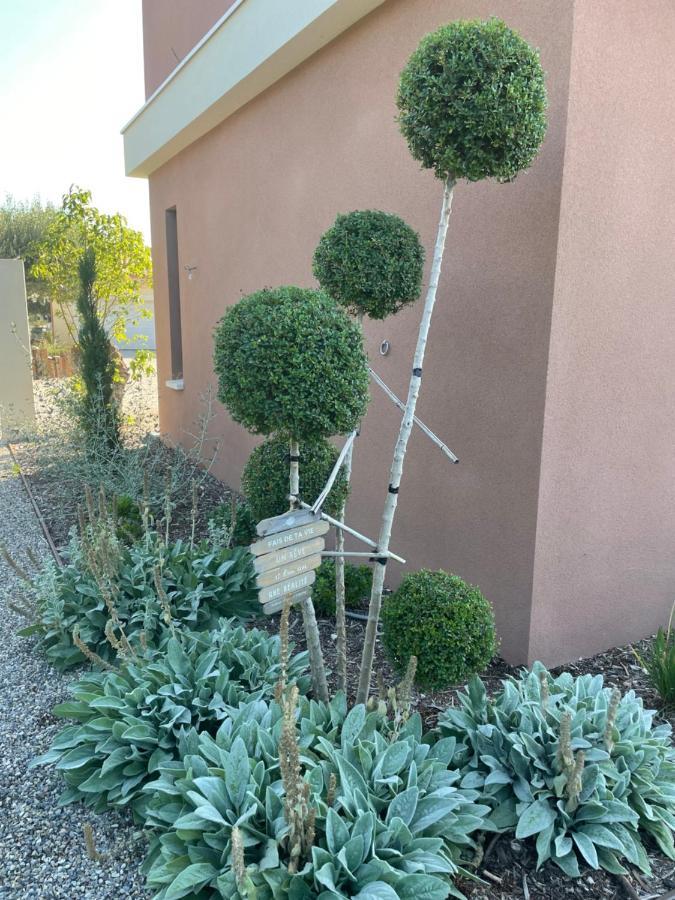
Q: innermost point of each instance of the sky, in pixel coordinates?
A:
(71, 75)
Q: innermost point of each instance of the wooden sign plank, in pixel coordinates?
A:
(287, 538)
(291, 586)
(275, 606)
(288, 555)
(290, 570)
(292, 519)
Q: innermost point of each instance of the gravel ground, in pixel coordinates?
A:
(42, 849)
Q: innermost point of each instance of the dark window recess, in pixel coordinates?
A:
(174, 294)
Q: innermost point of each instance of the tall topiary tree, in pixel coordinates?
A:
(371, 262)
(98, 408)
(289, 361)
(472, 104)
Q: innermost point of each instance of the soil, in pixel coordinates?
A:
(508, 868)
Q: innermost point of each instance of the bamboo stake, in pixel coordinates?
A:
(401, 446)
(316, 663)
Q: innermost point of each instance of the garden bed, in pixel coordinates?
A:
(508, 867)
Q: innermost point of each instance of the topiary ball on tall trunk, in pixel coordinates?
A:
(472, 101)
(370, 262)
(290, 361)
(265, 477)
(443, 621)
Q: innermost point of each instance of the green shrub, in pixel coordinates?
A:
(370, 262)
(265, 479)
(390, 827)
(358, 582)
(472, 101)
(570, 763)
(243, 532)
(202, 585)
(289, 360)
(128, 519)
(443, 621)
(659, 663)
(130, 721)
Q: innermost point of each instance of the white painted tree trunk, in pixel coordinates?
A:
(340, 594)
(340, 591)
(316, 663)
(400, 450)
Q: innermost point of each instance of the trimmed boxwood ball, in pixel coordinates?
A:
(370, 262)
(265, 479)
(289, 360)
(443, 621)
(472, 101)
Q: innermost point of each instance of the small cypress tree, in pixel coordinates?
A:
(98, 409)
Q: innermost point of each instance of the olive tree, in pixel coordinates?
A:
(291, 362)
(472, 105)
(370, 262)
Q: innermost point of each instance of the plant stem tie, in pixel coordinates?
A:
(417, 372)
(382, 560)
(392, 489)
(294, 458)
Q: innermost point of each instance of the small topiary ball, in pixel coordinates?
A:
(472, 101)
(265, 479)
(290, 361)
(370, 262)
(358, 584)
(443, 621)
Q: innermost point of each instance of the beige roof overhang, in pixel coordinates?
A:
(254, 44)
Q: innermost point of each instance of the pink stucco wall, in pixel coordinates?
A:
(171, 28)
(605, 556)
(253, 197)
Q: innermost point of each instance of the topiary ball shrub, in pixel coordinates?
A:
(358, 584)
(289, 360)
(265, 479)
(472, 101)
(370, 262)
(443, 621)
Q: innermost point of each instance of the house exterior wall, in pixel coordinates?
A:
(171, 28)
(605, 566)
(253, 197)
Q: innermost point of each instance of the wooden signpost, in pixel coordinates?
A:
(286, 556)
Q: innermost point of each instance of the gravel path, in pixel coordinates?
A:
(42, 849)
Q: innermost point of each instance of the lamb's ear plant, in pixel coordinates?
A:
(472, 104)
(370, 262)
(386, 817)
(571, 764)
(131, 720)
(291, 362)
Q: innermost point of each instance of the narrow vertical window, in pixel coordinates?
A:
(176, 339)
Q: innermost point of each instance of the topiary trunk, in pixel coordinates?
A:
(400, 451)
(316, 663)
